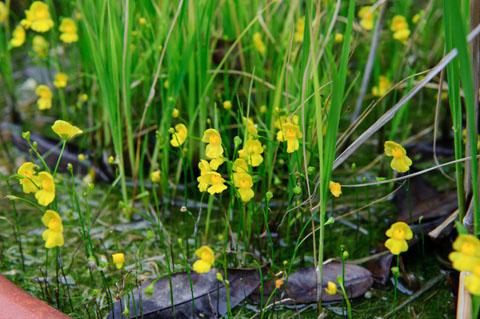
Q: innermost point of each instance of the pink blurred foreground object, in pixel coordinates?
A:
(16, 303)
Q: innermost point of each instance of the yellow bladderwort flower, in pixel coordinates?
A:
(367, 17)
(175, 113)
(383, 86)
(252, 152)
(216, 162)
(53, 235)
(179, 135)
(68, 28)
(240, 165)
(3, 13)
(155, 176)
(18, 37)
(65, 130)
(38, 17)
(214, 147)
(204, 178)
(466, 254)
(206, 260)
(299, 30)
(45, 95)
(46, 192)
(331, 288)
(40, 46)
(398, 234)
(338, 37)
(227, 105)
(118, 260)
(27, 172)
(400, 29)
(61, 80)
(335, 188)
(289, 131)
(244, 183)
(400, 162)
(250, 126)
(217, 183)
(258, 43)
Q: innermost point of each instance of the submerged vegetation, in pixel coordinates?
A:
(241, 158)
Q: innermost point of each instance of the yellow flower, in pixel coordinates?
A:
(472, 283)
(213, 139)
(400, 29)
(45, 97)
(65, 130)
(466, 254)
(252, 152)
(258, 43)
(417, 17)
(142, 21)
(216, 162)
(227, 105)
(367, 17)
(240, 165)
(331, 288)
(175, 113)
(40, 46)
(205, 253)
(201, 267)
(244, 183)
(217, 183)
(278, 283)
(335, 188)
(38, 17)
(338, 37)
(384, 85)
(81, 157)
(299, 30)
(118, 260)
(398, 234)
(68, 28)
(46, 193)
(402, 35)
(3, 13)
(53, 235)
(289, 132)
(27, 172)
(18, 37)
(400, 162)
(155, 176)
(179, 135)
(251, 128)
(61, 80)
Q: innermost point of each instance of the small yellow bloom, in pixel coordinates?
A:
(384, 85)
(289, 131)
(44, 97)
(65, 130)
(61, 80)
(213, 139)
(466, 254)
(118, 260)
(175, 113)
(111, 160)
(367, 17)
(417, 17)
(338, 37)
(246, 194)
(335, 188)
(252, 152)
(227, 105)
(251, 128)
(155, 176)
(40, 46)
(46, 194)
(472, 283)
(38, 17)
(278, 283)
(3, 13)
(68, 29)
(402, 35)
(179, 135)
(18, 37)
(240, 165)
(299, 30)
(258, 43)
(244, 183)
(205, 253)
(398, 234)
(201, 266)
(142, 21)
(216, 162)
(400, 29)
(81, 157)
(217, 183)
(331, 288)
(53, 235)
(27, 172)
(400, 162)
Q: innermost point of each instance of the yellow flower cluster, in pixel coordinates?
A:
(367, 17)
(68, 29)
(242, 180)
(383, 86)
(45, 96)
(252, 149)
(40, 183)
(466, 257)
(400, 29)
(210, 180)
(37, 17)
(400, 162)
(258, 43)
(289, 131)
(53, 235)
(205, 261)
(398, 234)
(299, 30)
(179, 135)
